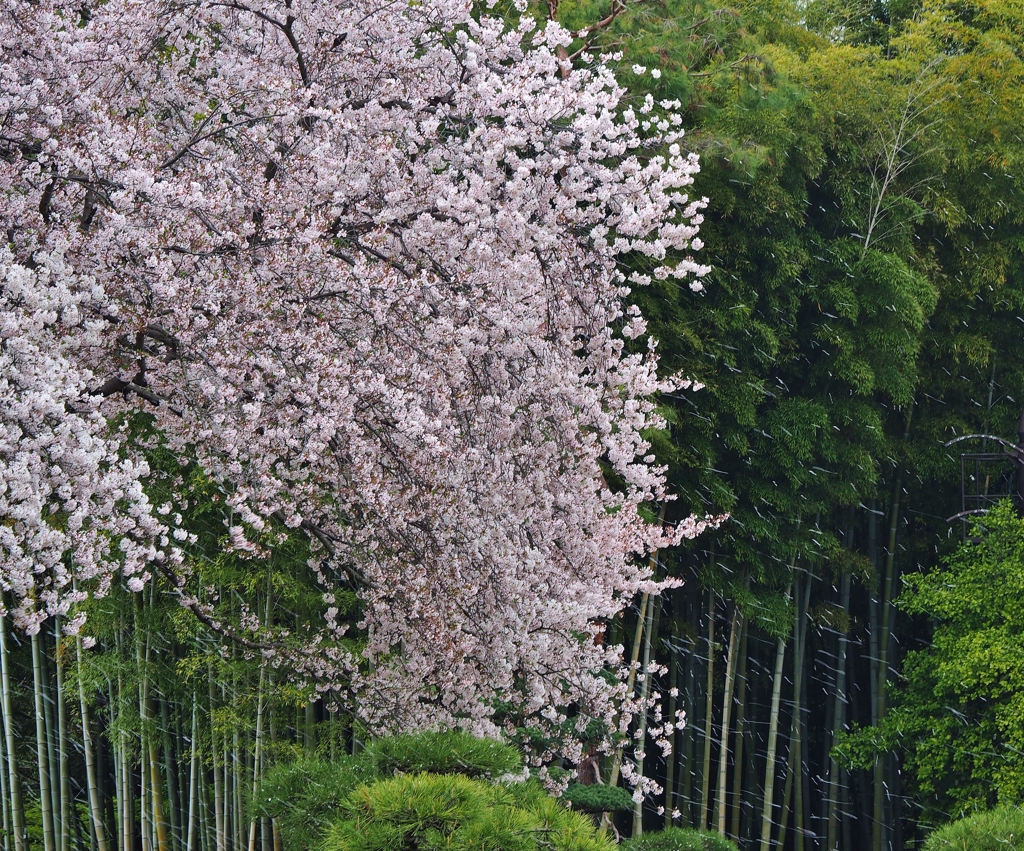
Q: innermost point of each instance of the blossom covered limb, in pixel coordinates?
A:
(368, 258)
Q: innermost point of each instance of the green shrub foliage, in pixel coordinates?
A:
(304, 796)
(598, 798)
(1001, 829)
(679, 839)
(432, 812)
(444, 753)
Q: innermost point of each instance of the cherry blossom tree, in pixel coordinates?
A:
(364, 262)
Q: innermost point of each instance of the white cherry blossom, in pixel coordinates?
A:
(365, 258)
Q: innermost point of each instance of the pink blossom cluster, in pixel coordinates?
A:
(70, 506)
(366, 258)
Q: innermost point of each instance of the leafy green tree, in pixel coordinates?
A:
(960, 717)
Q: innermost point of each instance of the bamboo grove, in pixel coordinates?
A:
(154, 732)
(865, 304)
(864, 308)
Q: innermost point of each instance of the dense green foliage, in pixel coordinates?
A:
(1001, 829)
(864, 307)
(597, 798)
(679, 839)
(960, 716)
(863, 165)
(305, 795)
(444, 753)
(451, 812)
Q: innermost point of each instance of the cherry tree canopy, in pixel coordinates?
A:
(362, 258)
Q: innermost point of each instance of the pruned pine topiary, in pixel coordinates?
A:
(444, 753)
(1001, 829)
(305, 795)
(679, 839)
(432, 812)
(597, 798)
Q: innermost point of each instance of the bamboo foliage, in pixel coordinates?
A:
(167, 728)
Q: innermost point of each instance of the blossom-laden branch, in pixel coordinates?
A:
(367, 259)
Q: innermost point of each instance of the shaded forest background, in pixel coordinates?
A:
(866, 306)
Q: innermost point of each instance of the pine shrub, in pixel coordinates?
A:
(1001, 829)
(598, 798)
(432, 812)
(679, 839)
(444, 753)
(305, 795)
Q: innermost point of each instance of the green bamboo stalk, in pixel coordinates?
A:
(645, 690)
(156, 798)
(883, 652)
(145, 814)
(721, 809)
(309, 729)
(796, 760)
(122, 776)
(258, 752)
(838, 725)
(237, 771)
(66, 805)
(159, 829)
(169, 761)
(613, 775)
(191, 832)
(51, 739)
(768, 805)
(17, 805)
(787, 798)
(741, 711)
(672, 758)
(220, 813)
(92, 785)
(42, 756)
(705, 780)
(6, 802)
